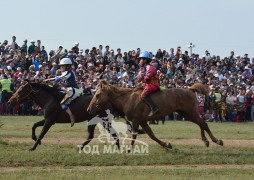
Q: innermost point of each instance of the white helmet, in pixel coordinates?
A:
(65, 61)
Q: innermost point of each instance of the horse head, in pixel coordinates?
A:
(22, 94)
(100, 98)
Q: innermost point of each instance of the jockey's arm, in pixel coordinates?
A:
(151, 72)
(63, 77)
(140, 76)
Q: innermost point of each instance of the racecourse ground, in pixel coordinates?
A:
(58, 156)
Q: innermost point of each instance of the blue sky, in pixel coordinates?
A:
(217, 25)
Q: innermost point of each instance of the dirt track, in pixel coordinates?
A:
(227, 142)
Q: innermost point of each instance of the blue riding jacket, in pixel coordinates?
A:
(68, 77)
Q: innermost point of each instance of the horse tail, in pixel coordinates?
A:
(200, 88)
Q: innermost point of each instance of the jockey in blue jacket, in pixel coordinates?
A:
(71, 87)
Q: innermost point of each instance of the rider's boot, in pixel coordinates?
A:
(72, 117)
(150, 103)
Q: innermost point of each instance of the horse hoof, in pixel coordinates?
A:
(168, 145)
(129, 150)
(206, 143)
(219, 142)
(31, 149)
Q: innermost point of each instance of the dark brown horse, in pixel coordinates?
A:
(48, 98)
(178, 100)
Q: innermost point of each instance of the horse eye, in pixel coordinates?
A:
(98, 95)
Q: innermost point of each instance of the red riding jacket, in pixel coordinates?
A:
(149, 76)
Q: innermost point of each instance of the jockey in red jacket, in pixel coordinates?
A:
(148, 75)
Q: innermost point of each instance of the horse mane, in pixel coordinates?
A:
(139, 88)
(54, 91)
(122, 89)
(199, 88)
(116, 89)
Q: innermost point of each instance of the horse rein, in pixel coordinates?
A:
(29, 94)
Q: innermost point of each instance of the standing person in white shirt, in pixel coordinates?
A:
(100, 50)
(207, 56)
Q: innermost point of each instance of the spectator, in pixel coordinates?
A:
(39, 45)
(207, 56)
(14, 45)
(171, 55)
(6, 86)
(24, 46)
(241, 105)
(31, 48)
(36, 62)
(231, 74)
(159, 54)
(248, 104)
(75, 49)
(252, 106)
(44, 54)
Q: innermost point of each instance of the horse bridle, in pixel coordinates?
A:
(29, 94)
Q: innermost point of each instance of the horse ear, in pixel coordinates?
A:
(101, 85)
(104, 82)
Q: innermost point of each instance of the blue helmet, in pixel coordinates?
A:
(145, 55)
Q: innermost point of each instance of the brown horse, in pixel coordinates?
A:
(178, 100)
(49, 98)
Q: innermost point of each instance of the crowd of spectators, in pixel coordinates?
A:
(232, 76)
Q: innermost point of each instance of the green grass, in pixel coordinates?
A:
(123, 174)
(59, 161)
(17, 154)
(21, 127)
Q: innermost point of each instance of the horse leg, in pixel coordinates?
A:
(150, 133)
(114, 134)
(203, 137)
(44, 130)
(135, 126)
(200, 124)
(90, 130)
(130, 125)
(37, 124)
(194, 117)
(215, 140)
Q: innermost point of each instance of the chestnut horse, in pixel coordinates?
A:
(183, 101)
(49, 99)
